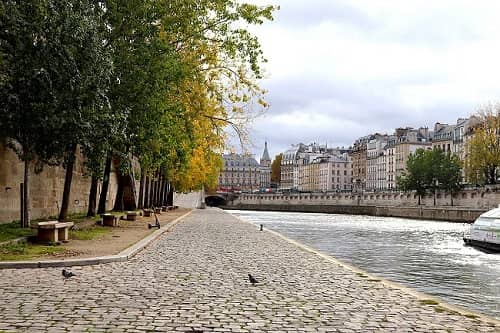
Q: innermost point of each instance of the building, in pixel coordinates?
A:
(443, 137)
(376, 175)
(316, 167)
(289, 172)
(265, 169)
(408, 140)
(241, 172)
(359, 163)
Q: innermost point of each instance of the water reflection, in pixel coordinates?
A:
(425, 255)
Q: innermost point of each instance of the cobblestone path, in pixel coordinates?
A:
(194, 279)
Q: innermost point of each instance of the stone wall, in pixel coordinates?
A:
(46, 188)
(467, 205)
(486, 198)
(422, 213)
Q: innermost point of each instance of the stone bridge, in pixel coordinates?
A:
(216, 199)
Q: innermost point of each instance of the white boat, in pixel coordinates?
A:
(485, 232)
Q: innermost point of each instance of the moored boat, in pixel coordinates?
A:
(485, 232)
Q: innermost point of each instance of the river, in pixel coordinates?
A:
(428, 256)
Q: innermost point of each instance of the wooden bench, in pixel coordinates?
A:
(163, 208)
(109, 220)
(53, 231)
(147, 212)
(157, 210)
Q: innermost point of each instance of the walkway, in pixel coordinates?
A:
(194, 279)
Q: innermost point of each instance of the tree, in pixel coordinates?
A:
(48, 81)
(415, 178)
(482, 161)
(431, 171)
(450, 178)
(87, 118)
(276, 169)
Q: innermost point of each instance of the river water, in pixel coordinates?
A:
(428, 256)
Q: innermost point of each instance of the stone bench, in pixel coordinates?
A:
(109, 220)
(131, 216)
(53, 231)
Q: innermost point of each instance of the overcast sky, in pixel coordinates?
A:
(339, 69)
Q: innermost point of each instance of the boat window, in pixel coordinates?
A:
(482, 222)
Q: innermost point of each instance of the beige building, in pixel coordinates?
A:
(316, 167)
(359, 163)
(408, 140)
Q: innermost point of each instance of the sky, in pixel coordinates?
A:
(338, 70)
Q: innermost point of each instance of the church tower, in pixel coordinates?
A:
(265, 160)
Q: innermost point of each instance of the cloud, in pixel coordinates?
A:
(343, 69)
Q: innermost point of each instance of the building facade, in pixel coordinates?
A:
(242, 172)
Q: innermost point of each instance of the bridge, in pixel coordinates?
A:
(216, 199)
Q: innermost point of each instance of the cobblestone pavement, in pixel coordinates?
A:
(194, 279)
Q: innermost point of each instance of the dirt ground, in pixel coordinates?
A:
(119, 238)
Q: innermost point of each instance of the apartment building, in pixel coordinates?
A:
(358, 156)
(408, 140)
(376, 175)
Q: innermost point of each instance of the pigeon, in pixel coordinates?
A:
(253, 281)
(67, 274)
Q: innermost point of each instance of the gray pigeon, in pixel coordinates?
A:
(253, 281)
(67, 274)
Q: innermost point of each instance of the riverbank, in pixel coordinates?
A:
(453, 214)
(195, 278)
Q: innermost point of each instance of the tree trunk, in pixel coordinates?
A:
(70, 163)
(146, 193)
(26, 198)
(119, 192)
(162, 191)
(140, 203)
(105, 185)
(155, 195)
(170, 196)
(94, 182)
(165, 194)
(152, 192)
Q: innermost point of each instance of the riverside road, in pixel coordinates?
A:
(195, 279)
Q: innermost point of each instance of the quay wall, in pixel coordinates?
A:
(467, 205)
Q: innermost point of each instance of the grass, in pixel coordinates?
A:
(88, 233)
(25, 251)
(439, 309)
(471, 316)
(13, 230)
(429, 302)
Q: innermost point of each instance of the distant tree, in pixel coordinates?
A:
(431, 171)
(415, 178)
(482, 161)
(450, 179)
(276, 169)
